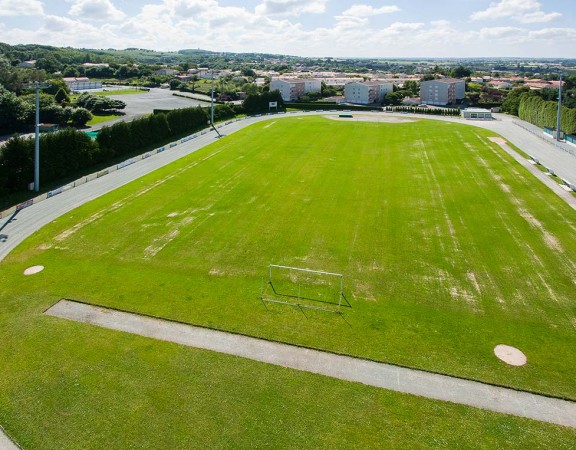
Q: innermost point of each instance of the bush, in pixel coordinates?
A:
(80, 116)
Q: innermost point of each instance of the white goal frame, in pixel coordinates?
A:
(299, 303)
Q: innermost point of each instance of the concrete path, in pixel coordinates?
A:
(400, 379)
(6, 443)
(555, 187)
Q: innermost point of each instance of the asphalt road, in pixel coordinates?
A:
(141, 104)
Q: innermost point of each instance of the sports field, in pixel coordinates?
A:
(446, 245)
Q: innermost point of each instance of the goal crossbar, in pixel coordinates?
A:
(299, 303)
(320, 272)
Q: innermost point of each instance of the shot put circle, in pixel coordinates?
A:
(510, 355)
(34, 269)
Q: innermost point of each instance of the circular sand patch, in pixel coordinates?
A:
(34, 269)
(510, 355)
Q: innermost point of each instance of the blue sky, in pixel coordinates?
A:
(361, 28)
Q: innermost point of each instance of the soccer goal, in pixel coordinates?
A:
(305, 288)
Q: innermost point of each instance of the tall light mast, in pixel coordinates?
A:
(558, 115)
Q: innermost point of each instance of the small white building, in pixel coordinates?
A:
(367, 93)
(165, 71)
(477, 114)
(81, 83)
(27, 64)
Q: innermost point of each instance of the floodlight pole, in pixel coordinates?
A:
(559, 110)
(212, 108)
(37, 140)
(212, 102)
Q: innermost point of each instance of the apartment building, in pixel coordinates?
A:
(367, 93)
(292, 89)
(444, 91)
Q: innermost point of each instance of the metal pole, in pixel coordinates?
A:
(559, 110)
(341, 293)
(212, 103)
(37, 141)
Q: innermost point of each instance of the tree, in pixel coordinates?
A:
(249, 73)
(62, 97)
(260, 102)
(512, 100)
(193, 81)
(548, 93)
(70, 71)
(12, 111)
(394, 98)
(80, 116)
(413, 87)
(99, 103)
(49, 63)
(250, 89)
(460, 72)
(54, 85)
(569, 91)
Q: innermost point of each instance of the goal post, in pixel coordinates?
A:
(306, 288)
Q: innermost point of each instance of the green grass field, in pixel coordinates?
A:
(447, 248)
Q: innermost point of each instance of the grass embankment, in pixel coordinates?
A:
(447, 246)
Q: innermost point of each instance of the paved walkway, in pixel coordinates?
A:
(555, 187)
(6, 443)
(400, 379)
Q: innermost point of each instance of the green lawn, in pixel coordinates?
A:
(447, 246)
(128, 91)
(100, 118)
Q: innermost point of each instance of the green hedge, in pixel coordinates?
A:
(61, 154)
(543, 113)
(327, 106)
(65, 153)
(420, 110)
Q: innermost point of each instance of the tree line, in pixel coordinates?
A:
(70, 152)
(544, 114)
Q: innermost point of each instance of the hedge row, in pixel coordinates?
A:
(66, 153)
(543, 113)
(421, 110)
(61, 154)
(315, 106)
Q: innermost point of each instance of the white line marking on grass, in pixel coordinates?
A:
(371, 373)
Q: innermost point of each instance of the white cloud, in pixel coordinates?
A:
(290, 7)
(21, 8)
(96, 10)
(499, 32)
(565, 35)
(524, 11)
(285, 26)
(189, 8)
(369, 10)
